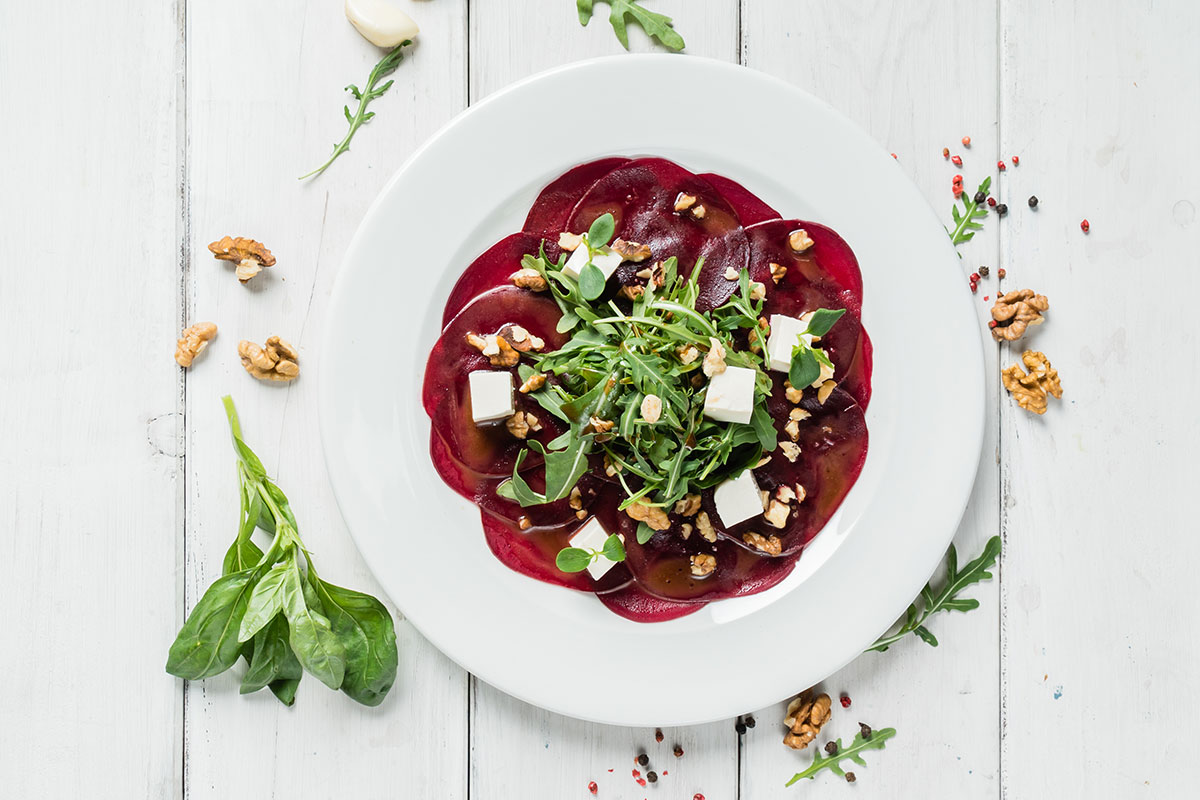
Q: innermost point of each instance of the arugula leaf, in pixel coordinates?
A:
(658, 26)
(853, 752)
(207, 643)
(931, 602)
(966, 223)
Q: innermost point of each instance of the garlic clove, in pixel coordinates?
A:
(380, 22)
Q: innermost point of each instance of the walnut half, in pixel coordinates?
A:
(192, 342)
(1031, 389)
(249, 255)
(275, 362)
(806, 716)
(1015, 312)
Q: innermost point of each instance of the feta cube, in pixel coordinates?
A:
(730, 395)
(605, 260)
(786, 333)
(591, 536)
(738, 499)
(491, 395)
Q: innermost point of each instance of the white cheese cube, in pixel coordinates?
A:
(738, 500)
(786, 333)
(592, 537)
(730, 395)
(605, 260)
(491, 395)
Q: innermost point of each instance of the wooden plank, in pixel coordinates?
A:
(918, 77)
(516, 749)
(90, 463)
(1098, 589)
(261, 113)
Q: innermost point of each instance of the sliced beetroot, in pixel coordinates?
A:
(750, 209)
(858, 379)
(532, 553)
(553, 206)
(492, 269)
(833, 447)
(489, 450)
(634, 604)
(829, 263)
(641, 197)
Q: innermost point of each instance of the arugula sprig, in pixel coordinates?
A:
(272, 608)
(854, 752)
(658, 26)
(577, 559)
(931, 602)
(806, 359)
(386, 66)
(966, 222)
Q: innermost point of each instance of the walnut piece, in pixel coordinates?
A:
(651, 408)
(277, 361)
(684, 201)
(497, 349)
(777, 272)
(521, 340)
(705, 526)
(689, 354)
(758, 290)
(703, 564)
(777, 513)
(522, 423)
(529, 279)
(699, 211)
(714, 362)
(1015, 312)
(534, 382)
(575, 501)
(1031, 389)
(731, 274)
(192, 342)
(249, 255)
(685, 530)
(688, 506)
(631, 291)
(825, 390)
(601, 425)
(653, 516)
(792, 394)
(790, 450)
(570, 241)
(799, 241)
(806, 716)
(792, 429)
(771, 546)
(631, 251)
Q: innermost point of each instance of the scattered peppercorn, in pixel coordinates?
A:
(991, 323)
(1000, 166)
(983, 271)
(1085, 226)
(652, 776)
(750, 723)
(974, 279)
(678, 751)
(986, 298)
(850, 777)
(1002, 273)
(1016, 160)
(740, 727)
(1033, 201)
(863, 727)
(697, 796)
(658, 734)
(992, 201)
(966, 140)
(1001, 209)
(845, 700)
(945, 152)
(592, 787)
(980, 197)
(974, 288)
(956, 161)
(894, 155)
(643, 759)
(831, 748)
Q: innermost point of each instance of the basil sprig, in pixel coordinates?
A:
(577, 559)
(272, 608)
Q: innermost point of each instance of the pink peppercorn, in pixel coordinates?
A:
(1001, 166)
(1085, 226)
(1002, 272)
(845, 701)
(992, 201)
(945, 152)
(592, 787)
(974, 277)
(1016, 160)
(957, 161)
(991, 323)
(966, 140)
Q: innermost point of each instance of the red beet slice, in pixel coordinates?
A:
(858, 380)
(553, 206)
(750, 209)
(491, 270)
(828, 263)
(489, 450)
(634, 604)
(533, 552)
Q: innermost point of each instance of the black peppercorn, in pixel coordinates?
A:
(658, 734)
(831, 748)
(678, 751)
(1001, 209)
(652, 776)
(750, 723)
(740, 727)
(980, 197)
(643, 759)
(850, 777)
(1033, 201)
(865, 730)
(983, 272)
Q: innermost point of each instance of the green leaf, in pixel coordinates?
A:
(644, 533)
(207, 643)
(266, 601)
(311, 636)
(284, 690)
(601, 231)
(585, 11)
(658, 26)
(567, 321)
(272, 659)
(591, 281)
(925, 636)
(365, 628)
(854, 753)
(572, 559)
(822, 320)
(614, 548)
(764, 427)
(804, 369)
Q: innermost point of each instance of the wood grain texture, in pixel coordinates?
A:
(918, 77)
(258, 118)
(1099, 587)
(89, 462)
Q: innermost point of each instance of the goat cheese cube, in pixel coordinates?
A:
(592, 537)
(605, 260)
(491, 395)
(738, 499)
(786, 333)
(730, 395)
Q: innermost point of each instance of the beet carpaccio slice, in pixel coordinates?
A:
(722, 222)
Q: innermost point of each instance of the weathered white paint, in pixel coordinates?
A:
(116, 487)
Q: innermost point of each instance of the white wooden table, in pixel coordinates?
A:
(135, 132)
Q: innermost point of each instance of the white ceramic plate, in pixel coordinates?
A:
(472, 184)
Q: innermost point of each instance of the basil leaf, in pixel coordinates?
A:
(591, 281)
(312, 639)
(614, 548)
(805, 369)
(822, 320)
(207, 643)
(284, 690)
(601, 231)
(365, 628)
(644, 533)
(572, 559)
(272, 659)
(244, 553)
(266, 601)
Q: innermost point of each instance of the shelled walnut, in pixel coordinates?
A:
(192, 342)
(806, 716)
(1030, 389)
(249, 255)
(277, 361)
(1015, 311)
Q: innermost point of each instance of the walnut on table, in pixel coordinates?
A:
(1015, 311)
(806, 715)
(249, 255)
(277, 361)
(192, 342)
(1030, 389)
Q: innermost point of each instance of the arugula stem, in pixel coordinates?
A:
(684, 311)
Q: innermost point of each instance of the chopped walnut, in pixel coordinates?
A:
(192, 342)
(497, 349)
(534, 382)
(275, 362)
(249, 255)
(758, 290)
(631, 291)
(699, 211)
(731, 274)
(801, 493)
(762, 462)
(798, 414)
(826, 389)
(685, 530)
(521, 340)
(799, 241)
(653, 516)
(777, 272)
(805, 718)
(581, 514)
(771, 546)
(651, 408)
(530, 279)
(826, 374)
(714, 362)
(777, 514)
(601, 425)
(703, 564)
(522, 423)
(689, 354)
(705, 527)
(1031, 389)
(575, 501)
(1015, 312)
(758, 336)
(792, 429)
(610, 469)
(684, 201)
(790, 450)
(784, 493)
(524, 522)
(792, 394)
(631, 251)
(570, 241)
(688, 506)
